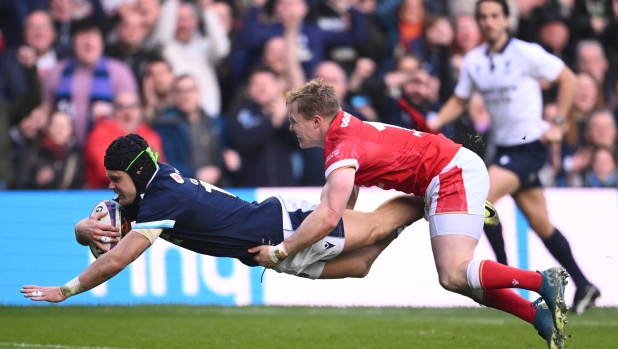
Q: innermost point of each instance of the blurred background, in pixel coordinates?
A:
(204, 81)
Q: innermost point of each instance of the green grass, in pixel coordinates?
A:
(181, 326)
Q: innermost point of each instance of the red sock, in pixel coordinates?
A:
(510, 302)
(495, 275)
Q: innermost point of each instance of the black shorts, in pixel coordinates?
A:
(525, 161)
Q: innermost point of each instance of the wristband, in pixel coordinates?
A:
(277, 253)
(72, 288)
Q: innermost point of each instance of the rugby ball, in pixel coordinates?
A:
(116, 216)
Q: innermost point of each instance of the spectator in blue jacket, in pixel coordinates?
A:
(259, 130)
(191, 139)
(313, 41)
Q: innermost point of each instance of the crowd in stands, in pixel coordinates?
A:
(204, 82)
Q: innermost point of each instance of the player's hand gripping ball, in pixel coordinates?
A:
(117, 217)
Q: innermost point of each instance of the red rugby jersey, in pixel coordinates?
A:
(386, 156)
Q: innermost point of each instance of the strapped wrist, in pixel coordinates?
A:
(277, 253)
(72, 288)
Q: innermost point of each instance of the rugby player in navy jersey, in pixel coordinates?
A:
(203, 218)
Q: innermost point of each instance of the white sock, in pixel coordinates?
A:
(474, 274)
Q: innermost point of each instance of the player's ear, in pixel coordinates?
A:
(317, 121)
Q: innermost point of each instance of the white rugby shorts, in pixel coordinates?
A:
(309, 262)
(455, 199)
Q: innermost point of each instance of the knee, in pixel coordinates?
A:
(452, 282)
(360, 269)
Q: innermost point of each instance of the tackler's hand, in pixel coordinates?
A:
(263, 257)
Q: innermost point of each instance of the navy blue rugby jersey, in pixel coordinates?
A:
(203, 218)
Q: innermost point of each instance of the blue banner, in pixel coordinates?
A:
(39, 247)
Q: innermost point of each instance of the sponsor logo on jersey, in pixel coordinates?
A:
(175, 176)
(328, 245)
(345, 120)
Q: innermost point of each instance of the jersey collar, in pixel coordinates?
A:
(501, 50)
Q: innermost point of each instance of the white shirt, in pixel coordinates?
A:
(508, 82)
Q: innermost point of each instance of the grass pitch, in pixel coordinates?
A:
(180, 326)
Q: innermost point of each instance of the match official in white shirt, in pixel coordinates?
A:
(506, 71)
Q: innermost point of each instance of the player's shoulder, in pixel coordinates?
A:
(475, 55)
(528, 50)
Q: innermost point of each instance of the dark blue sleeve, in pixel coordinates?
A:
(175, 147)
(355, 35)
(159, 210)
(244, 137)
(255, 34)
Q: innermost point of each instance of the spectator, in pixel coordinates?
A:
(39, 35)
(313, 42)
(591, 59)
(600, 133)
(191, 139)
(12, 113)
(467, 34)
(416, 92)
(585, 100)
(62, 15)
(602, 172)
(127, 118)
(26, 139)
(334, 16)
(224, 68)
(434, 48)
(59, 163)
(554, 36)
(190, 52)
(259, 130)
(76, 83)
(403, 21)
(157, 87)
(381, 90)
(129, 48)
(149, 11)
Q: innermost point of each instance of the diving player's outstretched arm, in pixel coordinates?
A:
(103, 269)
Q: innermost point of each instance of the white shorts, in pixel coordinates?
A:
(458, 196)
(309, 262)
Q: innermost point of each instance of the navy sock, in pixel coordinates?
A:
(496, 240)
(559, 247)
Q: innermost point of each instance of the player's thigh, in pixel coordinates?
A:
(453, 240)
(363, 229)
(532, 204)
(502, 182)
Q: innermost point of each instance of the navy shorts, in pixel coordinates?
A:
(525, 161)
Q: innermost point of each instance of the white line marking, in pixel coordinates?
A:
(30, 345)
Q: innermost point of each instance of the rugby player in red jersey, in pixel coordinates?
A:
(453, 183)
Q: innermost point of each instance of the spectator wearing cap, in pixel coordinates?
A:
(76, 83)
(127, 118)
(190, 52)
(39, 35)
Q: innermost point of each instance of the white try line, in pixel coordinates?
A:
(53, 346)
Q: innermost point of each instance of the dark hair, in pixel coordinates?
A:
(132, 154)
(260, 68)
(84, 25)
(503, 3)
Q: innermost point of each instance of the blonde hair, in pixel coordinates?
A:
(315, 98)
